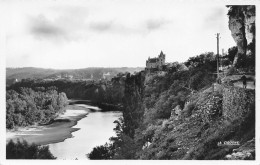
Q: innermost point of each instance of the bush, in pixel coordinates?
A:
(23, 150)
(101, 152)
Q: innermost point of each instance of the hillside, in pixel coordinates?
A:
(86, 73)
(197, 123)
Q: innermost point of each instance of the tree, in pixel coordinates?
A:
(28, 107)
(232, 53)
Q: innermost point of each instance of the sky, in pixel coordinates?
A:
(111, 33)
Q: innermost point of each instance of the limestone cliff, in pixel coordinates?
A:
(242, 27)
(133, 102)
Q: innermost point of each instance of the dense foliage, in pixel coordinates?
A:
(26, 106)
(247, 62)
(23, 150)
(99, 92)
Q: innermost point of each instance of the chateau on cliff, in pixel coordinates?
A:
(156, 63)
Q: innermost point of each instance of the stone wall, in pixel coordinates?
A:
(237, 102)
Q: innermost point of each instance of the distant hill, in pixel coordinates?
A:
(86, 73)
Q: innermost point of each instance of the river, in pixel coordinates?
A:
(95, 130)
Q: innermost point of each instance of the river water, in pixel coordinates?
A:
(95, 130)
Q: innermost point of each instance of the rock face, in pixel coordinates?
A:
(133, 108)
(176, 111)
(242, 27)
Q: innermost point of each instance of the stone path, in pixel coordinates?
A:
(238, 82)
(250, 84)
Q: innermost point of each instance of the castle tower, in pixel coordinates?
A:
(162, 58)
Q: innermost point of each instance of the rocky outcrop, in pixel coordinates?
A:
(249, 20)
(176, 111)
(133, 98)
(242, 27)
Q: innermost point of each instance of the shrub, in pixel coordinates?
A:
(23, 150)
(101, 152)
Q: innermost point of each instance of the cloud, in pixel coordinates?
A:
(113, 27)
(101, 26)
(42, 28)
(60, 23)
(119, 27)
(155, 24)
(77, 23)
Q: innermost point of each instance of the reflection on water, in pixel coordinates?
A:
(95, 130)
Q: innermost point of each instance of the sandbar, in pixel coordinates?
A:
(52, 133)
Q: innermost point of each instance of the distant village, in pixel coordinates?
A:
(105, 76)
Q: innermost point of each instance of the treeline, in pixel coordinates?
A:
(26, 106)
(99, 92)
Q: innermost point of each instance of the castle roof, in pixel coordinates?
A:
(153, 60)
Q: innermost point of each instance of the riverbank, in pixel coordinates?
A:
(56, 132)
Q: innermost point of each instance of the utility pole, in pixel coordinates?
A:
(218, 55)
(221, 61)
